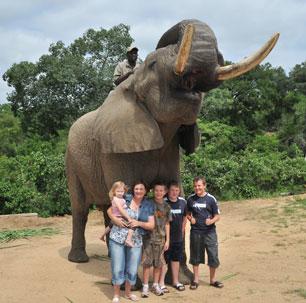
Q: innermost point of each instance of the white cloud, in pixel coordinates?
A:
(28, 27)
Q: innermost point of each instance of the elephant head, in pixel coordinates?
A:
(167, 88)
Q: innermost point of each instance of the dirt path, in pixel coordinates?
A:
(262, 251)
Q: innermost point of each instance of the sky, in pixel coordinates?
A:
(28, 27)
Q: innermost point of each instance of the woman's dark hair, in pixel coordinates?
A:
(137, 183)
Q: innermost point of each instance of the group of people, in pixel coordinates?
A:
(151, 232)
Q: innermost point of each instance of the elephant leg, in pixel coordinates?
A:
(80, 211)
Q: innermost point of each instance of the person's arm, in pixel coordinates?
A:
(167, 228)
(191, 219)
(122, 78)
(117, 221)
(215, 214)
(149, 225)
(212, 220)
(184, 225)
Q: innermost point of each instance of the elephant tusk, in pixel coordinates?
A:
(184, 50)
(237, 69)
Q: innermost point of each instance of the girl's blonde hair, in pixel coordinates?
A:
(116, 185)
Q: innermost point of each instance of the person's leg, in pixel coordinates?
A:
(133, 257)
(128, 241)
(158, 262)
(156, 274)
(106, 231)
(117, 265)
(212, 275)
(175, 267)
(196, 273)
(163, 272)
(145, 281)
(116, 293)
(213, 259)
(197, 250)
(146, 274)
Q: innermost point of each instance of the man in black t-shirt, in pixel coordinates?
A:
(203, 212)
(177, 230)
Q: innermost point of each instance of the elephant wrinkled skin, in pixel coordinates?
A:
(136, 133)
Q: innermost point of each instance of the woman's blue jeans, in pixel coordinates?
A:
(124, 261)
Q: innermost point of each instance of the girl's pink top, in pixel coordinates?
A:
(118, 201)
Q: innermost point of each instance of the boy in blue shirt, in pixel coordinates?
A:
(174, 254)
(203, 213)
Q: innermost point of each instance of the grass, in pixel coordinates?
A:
(285, 215)
(300, 292)
(229, 276)
(11, 235)
(101, 258)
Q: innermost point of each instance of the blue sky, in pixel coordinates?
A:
(28, 27)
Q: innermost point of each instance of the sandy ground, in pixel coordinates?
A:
(262, 253)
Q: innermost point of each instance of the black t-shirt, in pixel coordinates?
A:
(178, 211)
(202, 208)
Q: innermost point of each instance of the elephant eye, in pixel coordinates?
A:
(152, 64)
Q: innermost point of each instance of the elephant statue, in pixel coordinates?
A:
(137, 132)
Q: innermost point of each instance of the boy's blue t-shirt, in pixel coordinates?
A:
(178, 211)
(201, 209)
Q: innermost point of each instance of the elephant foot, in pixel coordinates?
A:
(78, 256)
(185, 275)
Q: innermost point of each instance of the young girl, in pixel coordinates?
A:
(119, 209)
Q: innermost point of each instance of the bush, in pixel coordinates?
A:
(260, 169)
(34, 182)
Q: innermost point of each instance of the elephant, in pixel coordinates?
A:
(137, 133)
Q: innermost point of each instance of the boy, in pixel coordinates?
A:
(203, 213)
(156, 242)
(174, 254)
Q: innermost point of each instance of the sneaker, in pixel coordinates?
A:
(157, 290)
(145, 292)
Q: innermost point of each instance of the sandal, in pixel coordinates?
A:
(179, 287)
(132, 297)
(164, 289)
(194, 285)
(217, 284)
(115, 299)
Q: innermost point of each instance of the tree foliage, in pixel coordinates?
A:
(67, 82)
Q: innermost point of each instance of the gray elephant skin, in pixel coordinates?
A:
(137, 132)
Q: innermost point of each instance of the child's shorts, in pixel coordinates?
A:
(153, 254)
(199, 243)
(175, 252)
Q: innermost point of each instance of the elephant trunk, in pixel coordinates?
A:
(199, 62)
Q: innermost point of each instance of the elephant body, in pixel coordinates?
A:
(137, 132)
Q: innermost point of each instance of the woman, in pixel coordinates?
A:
(125, 260)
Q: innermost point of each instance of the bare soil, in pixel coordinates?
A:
(262, 252)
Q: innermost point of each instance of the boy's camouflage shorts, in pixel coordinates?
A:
(153, 254)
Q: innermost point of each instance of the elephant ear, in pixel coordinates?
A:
(124, 125)
(189, 137)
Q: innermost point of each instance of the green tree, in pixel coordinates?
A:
(256, 98)
(67, 82)
(297, 78)
(293, 125)
(10, 131)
